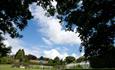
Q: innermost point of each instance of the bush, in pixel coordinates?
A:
(6, 60)
(78, 67)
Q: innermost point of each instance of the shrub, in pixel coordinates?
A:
(6, 60)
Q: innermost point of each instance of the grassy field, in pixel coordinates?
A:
(37, 67)
(34, 67)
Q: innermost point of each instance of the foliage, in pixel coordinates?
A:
(50, 62)
(95, 23)
(56, 60)
(79, 67)
(20, 55)
(69, 59)
(6, 60)
(81, 59)
(14, 15)
(31, 57)
(4, 50)
(105, 61)
(43, 58)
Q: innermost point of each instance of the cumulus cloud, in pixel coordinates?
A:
(51, 29)
(54, 53)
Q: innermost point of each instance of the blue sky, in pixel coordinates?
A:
(44, 36)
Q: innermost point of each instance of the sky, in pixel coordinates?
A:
(45, 36)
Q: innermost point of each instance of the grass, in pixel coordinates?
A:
(37, 67)
(8, 67)
(34, 67)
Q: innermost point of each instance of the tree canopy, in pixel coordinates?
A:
(31, 57)
(14, 15)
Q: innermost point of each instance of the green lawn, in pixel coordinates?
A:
(37, 67)
(34, 67)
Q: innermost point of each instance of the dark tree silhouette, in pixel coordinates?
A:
(95, 22)
(14, 15)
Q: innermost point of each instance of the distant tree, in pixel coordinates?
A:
(6, 60)
(56, 61)
(50, 62)
(69, 59)
(14, 15)
(43, 58)
(31, 57)
(81, 59)
(20, 55)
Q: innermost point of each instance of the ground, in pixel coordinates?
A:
(34, 67)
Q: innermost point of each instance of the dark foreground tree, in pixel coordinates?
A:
(95, 23)
(14, 15)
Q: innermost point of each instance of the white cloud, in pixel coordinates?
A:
(48, 42)
(54, 53)
(52, 29)
(14, 43)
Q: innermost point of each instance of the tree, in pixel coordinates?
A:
(6, 60)
(31, 57)
(20, 55)
(56, 61)
(4, 50)
(69, 59)
(14, 15)
(95, 23)
(81, 59)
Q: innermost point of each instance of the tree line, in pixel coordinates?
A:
(21, 58)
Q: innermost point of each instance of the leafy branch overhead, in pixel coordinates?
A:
(14, 15)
